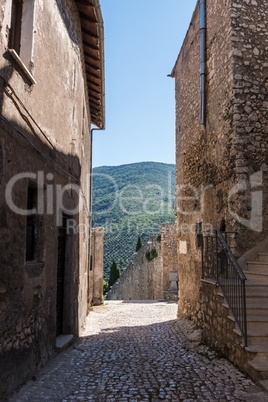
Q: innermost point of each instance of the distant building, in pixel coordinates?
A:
(222, 162)
(95, 291)
(51, 91)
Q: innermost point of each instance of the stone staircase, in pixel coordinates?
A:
(257, 317)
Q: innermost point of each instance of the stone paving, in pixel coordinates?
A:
(138, 351)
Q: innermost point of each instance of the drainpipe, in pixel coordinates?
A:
(90, 204)
(202, 62)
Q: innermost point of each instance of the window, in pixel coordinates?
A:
(15, 29)
(31, 225)
(199, 234)
(21, 37)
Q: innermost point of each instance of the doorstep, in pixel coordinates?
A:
(63, 341)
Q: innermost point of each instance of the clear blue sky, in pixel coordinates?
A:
(142, 42)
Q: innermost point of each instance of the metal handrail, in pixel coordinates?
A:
(219, 264)
(230, 255)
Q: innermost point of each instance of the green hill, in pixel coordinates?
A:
(128, 201)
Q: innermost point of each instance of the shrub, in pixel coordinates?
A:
(105, 287)
(151, 255)
(158, 238)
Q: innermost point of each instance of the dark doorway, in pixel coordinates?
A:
(61, 276)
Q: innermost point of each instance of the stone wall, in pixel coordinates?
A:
(43, 128)
(204, 155)
(142, 280)
(249, 23)
(217, 328)
(169, 238)
(212, 159)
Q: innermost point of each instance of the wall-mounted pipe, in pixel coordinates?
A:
(203, 62)
(90, 198)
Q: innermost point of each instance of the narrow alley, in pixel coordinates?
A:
(133, 351)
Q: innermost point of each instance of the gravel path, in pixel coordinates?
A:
(132, 351)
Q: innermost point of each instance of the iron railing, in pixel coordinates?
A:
(220, 265)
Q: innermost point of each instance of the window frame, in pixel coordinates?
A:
(16, 26)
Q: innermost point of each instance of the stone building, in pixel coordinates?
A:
(169, 257)
(51, 91)
(95, 291)
(153, 273)
(222, 158)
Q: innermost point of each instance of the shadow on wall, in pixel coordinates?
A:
(65, 14)
(34, 305)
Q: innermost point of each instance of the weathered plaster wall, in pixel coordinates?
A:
(28, 290)
(142, 280)
(96, 269)
(169, 238)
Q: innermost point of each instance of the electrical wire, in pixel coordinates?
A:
(35, 147)
(13, 92)
(39, 152)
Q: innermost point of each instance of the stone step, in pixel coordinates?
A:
(257, 292)
(63, 342)
(257, 267)
(264, 384)
(257, 308)
(262, 357)
(253, 297)
(259, 366)
(257, 276)
(257, 322)
(256, 286)
(263, 257)
(258, 349)
(259, 337)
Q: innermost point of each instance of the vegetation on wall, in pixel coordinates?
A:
(130, 201)
(105, 287)
(158, 238)
(151, 255)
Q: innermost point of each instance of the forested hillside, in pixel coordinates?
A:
(128, 201)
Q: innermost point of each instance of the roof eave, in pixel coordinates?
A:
(93, 46)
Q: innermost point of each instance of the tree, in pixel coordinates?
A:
(105, 287)
(139, 244)
(114, 273)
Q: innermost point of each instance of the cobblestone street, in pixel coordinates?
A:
(137, 351)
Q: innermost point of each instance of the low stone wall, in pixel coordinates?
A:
(143, 279)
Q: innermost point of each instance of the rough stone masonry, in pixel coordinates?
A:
(222, 164)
